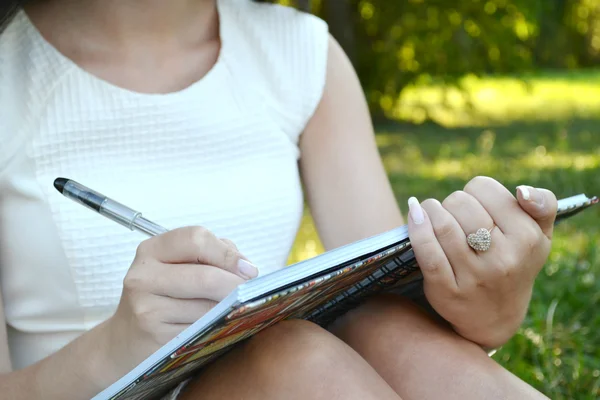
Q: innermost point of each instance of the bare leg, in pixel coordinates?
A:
(421, 359)
(291, 360)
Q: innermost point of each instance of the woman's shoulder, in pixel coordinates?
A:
(282, 52)
(273, 30)
(25, 57)
(287, 16)
(14, 57)
(28, 74)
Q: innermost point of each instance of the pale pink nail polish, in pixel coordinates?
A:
(416, 211)
(531, 194)
(247, 269)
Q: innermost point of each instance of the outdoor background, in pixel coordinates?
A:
(502, 88)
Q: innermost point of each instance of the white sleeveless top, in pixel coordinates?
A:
(221, 153)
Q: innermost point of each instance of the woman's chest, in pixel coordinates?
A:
(179, 164)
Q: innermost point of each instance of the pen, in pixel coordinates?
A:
(107, 207)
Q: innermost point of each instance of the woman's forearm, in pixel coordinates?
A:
(80, 370)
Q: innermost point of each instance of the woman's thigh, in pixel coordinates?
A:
(421, 358)
(291, 360)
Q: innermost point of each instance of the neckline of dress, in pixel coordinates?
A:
(53, 52)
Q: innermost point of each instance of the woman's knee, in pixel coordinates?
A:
(279, 362)
(386, 313)
(297, 344)
(390, 319)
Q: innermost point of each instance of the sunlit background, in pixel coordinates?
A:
(502, 88)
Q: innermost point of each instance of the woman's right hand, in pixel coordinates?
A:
(175, 279)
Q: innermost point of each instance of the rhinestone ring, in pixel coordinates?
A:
(481, 240)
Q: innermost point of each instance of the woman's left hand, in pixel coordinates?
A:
(484, 295)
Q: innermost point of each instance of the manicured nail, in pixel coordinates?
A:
(247, 269)
(530, 194)
(416, 211)
(524, 190)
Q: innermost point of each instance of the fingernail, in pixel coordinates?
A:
(247, 269)
(416, 211)
(530, 194)
(524, 190)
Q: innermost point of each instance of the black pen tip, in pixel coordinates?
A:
(59, 184)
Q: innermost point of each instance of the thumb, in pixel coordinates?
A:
(541, 205)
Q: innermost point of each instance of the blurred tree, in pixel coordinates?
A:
(396, 43)
(342, 20)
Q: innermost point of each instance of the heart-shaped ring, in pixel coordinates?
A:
(480, 240)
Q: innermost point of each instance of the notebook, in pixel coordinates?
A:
(319, 290)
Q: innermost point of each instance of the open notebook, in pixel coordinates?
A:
(319, 290)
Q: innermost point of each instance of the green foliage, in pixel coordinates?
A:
(396, 43)
(402, 42)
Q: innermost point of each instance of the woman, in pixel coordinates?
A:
(216, 113)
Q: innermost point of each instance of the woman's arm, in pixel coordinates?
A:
(67, 374)
(484, 295)
(346, 185)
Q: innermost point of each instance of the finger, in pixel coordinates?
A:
(233, 246)
(468, 212)
(191, 281)
(178, 311)
(499, 203)
(449, 234)
(229, 243)
(471, 216)
(541, 205)
(429, 254)
(197, 245)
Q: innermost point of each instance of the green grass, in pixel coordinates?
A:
(548, 138)
(541, 97)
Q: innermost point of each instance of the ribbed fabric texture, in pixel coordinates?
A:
(221, 153)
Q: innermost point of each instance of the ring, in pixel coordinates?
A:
(481, 240)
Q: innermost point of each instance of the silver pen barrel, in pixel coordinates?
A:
(148, 227)
(107, 207)
(129, 218)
